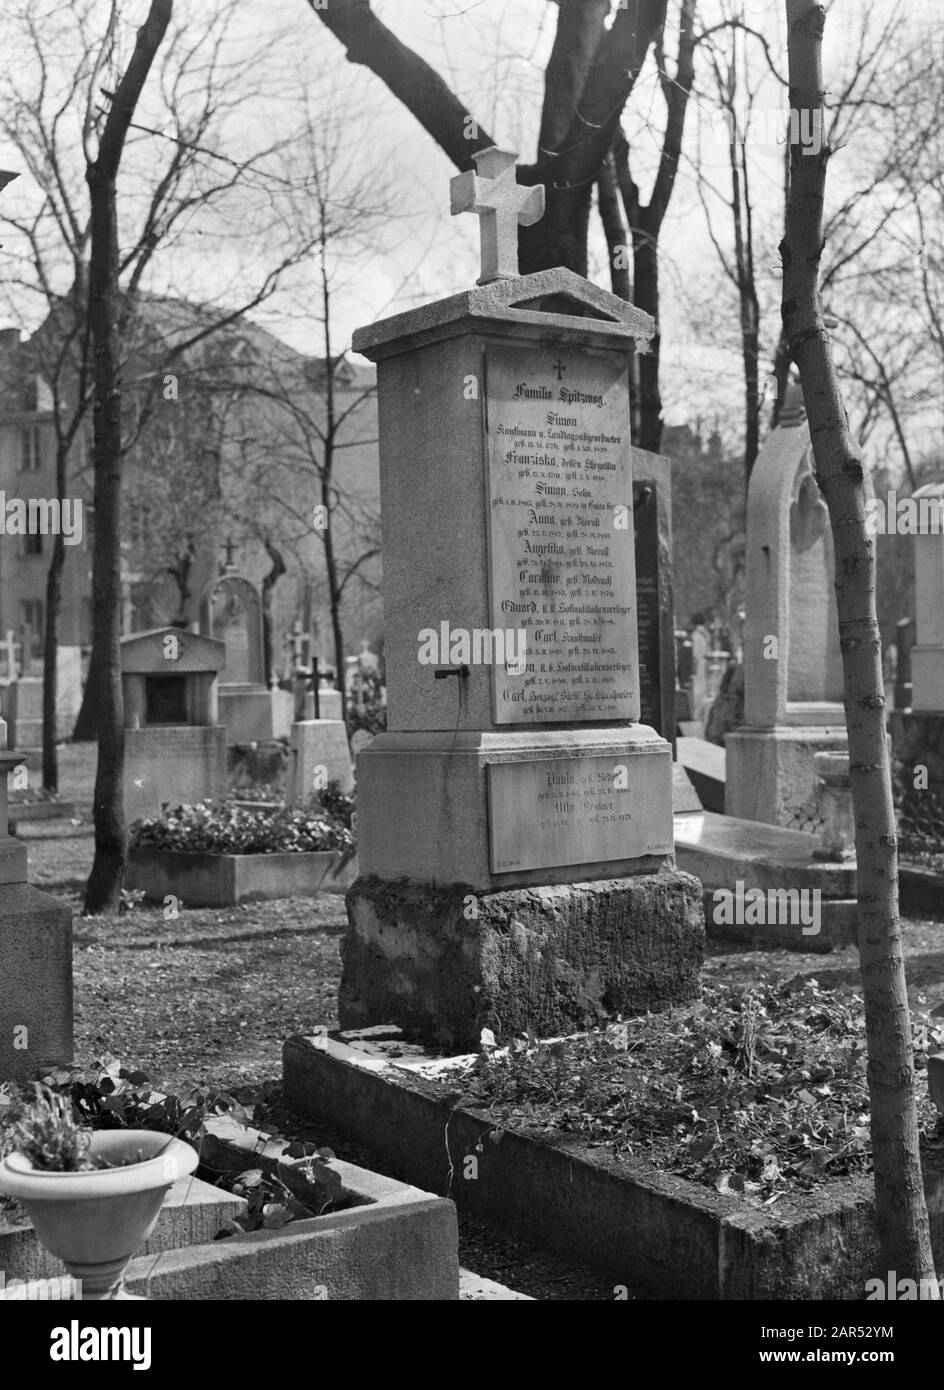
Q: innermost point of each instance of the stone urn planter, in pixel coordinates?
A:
(95, 1220)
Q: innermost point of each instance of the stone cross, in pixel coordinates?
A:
(230, 548)
(492, 192)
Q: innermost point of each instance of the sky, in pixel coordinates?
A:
(493, 54)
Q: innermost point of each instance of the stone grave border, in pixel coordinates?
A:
(653, 1233)
(390, 1242)
(223, 880)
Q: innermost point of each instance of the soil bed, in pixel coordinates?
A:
(759, 1091)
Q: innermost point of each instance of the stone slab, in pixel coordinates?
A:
(254, 714)
(660, 1235)
(705, 764)
(446, 963)
(35, 982)
(193, 1212)
(440, 833)
(684, 795)
(173, 765)
(475, 1288)
(319, 754)
(550, 812)
(723, 851)
(719, 849)
(560, 534)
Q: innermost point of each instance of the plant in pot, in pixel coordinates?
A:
(93, 1196)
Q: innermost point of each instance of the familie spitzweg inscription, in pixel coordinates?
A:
(561, 561)
(545, 812)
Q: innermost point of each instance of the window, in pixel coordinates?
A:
(31, 441)
(32, 544)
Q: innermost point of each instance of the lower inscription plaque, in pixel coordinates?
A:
(548, 812)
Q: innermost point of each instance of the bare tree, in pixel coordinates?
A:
(103, 889)
(901, 1210)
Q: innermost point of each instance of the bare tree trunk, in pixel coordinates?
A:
(51, 636)
(268, 584)
(103, 890)
(900, 1206)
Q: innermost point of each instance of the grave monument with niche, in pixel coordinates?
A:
(793, 682)
(515, 821)
(175, 747)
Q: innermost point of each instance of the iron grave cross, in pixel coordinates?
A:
(490, 190)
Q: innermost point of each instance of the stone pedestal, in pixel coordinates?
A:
(253, 714)
(515, 822)
(35, 959)
(318, 755)
(771, 773)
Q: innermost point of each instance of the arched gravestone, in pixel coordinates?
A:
(237, 621)
(793, 683)
(250, 712)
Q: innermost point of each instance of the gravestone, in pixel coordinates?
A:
(655, 612)
(918, 730)
(35, 958)
(927, 652)
(793, 683)
(515, 820)
(318, 754)
(175, 748)
(249, 711)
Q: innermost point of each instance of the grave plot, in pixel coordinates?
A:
(655, 1234)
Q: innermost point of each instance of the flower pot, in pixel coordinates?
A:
(95, 1221)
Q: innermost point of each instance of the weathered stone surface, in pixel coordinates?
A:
(35, 982)
(446, 811)
(448, 963)
(176, 765)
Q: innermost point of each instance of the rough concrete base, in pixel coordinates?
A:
(446, 963)
(35, 982)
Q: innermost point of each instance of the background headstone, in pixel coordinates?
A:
(793, 682)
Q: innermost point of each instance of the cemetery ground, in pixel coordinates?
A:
(209, 997)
